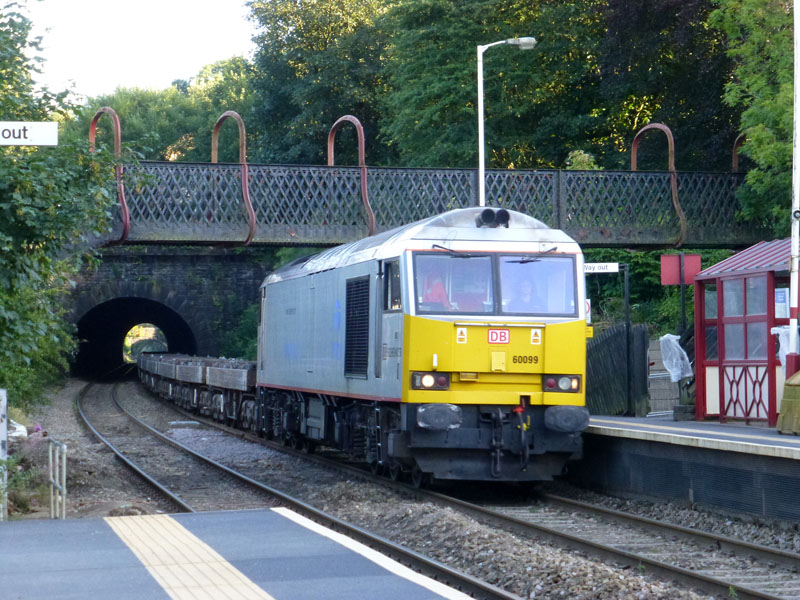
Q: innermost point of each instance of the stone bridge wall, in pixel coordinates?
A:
(208, 288)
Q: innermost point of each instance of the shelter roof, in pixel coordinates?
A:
(764, 256)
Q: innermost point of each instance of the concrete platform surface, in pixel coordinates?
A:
(258, 554)
(732, 436)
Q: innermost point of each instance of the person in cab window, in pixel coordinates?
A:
(525, 300)
(434, 292)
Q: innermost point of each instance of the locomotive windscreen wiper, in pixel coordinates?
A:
(530, 259)
(455, 254)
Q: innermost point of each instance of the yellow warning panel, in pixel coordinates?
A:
(183, 564)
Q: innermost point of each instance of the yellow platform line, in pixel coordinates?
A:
(185, 566)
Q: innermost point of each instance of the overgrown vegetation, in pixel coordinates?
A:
(51, 201)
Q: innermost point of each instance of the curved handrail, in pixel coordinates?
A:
(361, 163)
(673, 177)
(118, 170)
(740, 139)
(248, 206)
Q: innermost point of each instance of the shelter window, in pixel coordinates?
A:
(733, 292)
(711, 301)
(712, 351)
(744, 318)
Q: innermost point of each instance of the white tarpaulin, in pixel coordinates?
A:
(674, 358)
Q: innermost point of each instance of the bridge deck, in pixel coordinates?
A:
(317, 205)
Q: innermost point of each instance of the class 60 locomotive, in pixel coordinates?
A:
(453, 348)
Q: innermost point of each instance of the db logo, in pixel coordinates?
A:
(499, 336)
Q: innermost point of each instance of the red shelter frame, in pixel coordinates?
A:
(738, 373)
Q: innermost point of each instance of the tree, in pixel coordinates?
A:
(50, 200)
(660, 62)
(175, 124)
(538, 104)
(317, 60)
(760, 41)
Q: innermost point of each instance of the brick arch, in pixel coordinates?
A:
(203, 289)
(102, 332)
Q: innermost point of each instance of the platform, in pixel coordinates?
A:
(752, 470)
(258, 554)
(730, 437)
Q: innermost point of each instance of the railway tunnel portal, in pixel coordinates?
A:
(191, 294)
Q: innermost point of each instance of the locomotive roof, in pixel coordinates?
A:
(455, 225)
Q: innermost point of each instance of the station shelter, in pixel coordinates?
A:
(738, 303)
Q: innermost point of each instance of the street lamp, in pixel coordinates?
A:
(523, 43)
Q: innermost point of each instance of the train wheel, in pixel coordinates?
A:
(374, 467)
(309, 446)
(395, 471)
(418, 478)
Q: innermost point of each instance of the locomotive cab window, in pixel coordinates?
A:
(528, 284)
(538, 284)
(391, 286)
(453, 283)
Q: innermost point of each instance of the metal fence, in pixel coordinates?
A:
(57, 468)
(616, 370)
(194, 202)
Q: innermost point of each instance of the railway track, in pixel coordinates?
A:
(191, 481)
(188, 478)
(715, 564)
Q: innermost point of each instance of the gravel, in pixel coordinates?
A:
(98, 485)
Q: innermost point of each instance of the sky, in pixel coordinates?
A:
(100, 45)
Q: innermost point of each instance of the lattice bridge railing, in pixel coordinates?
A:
(318, 205)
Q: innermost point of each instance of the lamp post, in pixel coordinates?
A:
(523, 43)
(793, 358)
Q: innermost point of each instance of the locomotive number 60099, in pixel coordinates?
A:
(525, 359)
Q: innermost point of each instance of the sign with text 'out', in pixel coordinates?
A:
(601, 267)
(28, 133)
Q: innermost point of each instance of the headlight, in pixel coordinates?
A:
(561, 383)
(430, 381)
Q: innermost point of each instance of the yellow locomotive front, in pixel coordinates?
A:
(495, 355)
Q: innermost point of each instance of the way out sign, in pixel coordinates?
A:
(601, 268)
(28, 133)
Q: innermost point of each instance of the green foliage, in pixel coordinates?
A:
(177, 123)
(241, 341)
(52, 200)
(537, 102)
(24, 483)
(578, 160)
(650, 302)
(760, 41)
(660, 62)
(317, 61)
